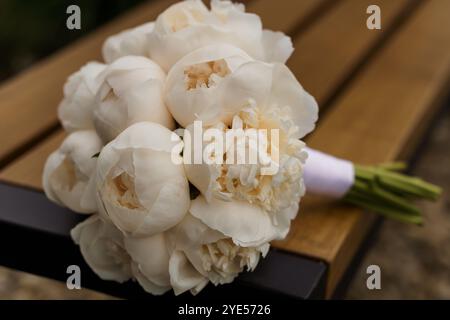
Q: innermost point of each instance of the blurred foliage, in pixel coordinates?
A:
(32, 29)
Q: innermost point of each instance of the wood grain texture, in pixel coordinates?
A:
(27, 170)
(286, 15)
(376, 119)
(327, 54)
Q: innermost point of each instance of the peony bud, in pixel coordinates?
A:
(69, 173)
(132, 42)
(139, 187)
(75, 110)
(130, 92)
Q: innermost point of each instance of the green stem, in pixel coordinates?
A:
(384, 190)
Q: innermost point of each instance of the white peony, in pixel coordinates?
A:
(274, 181)
(130, 92)
(75, 110)
(246, 224)
(255, 96)
(69, 173)
(150, 262)
(213, 83)
(112, 256)
(196, 87)
(102, 246)
(128, 42)
(139, 187)
(189, 25)
(203, 255)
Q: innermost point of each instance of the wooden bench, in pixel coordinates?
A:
(377, 89)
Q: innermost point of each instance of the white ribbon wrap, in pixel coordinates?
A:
(327, 175)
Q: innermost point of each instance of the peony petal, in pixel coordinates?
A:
(175, 32)
(143, 154)
(165, 213)
(204, 103)
(102, 247)
(131, 91)
(75, 110)
(188, 26)
(89, 199)
(192, 232)
(139, 109)
(287, 91)
(183, 276)
(125, 219)
(202, 175)
(68, 176)
(251, 81)
(277, 46)
(147, 284)
(128, 42)
(146, 135)
(81, 146)
(73, 199)
(151, 256)
(53, 161)
(244, 29)
(246, 224)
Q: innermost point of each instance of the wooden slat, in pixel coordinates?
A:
(377, 119)
(28, 101)
(287, 15)
(328, 53)
(27, 170)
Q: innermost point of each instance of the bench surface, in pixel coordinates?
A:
(377, 91)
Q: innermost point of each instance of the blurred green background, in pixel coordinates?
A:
(32, 29)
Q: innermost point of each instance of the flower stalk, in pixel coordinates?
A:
(386, 191)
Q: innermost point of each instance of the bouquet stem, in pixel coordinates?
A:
(385, 190)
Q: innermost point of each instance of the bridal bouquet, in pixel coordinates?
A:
(185, 149)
